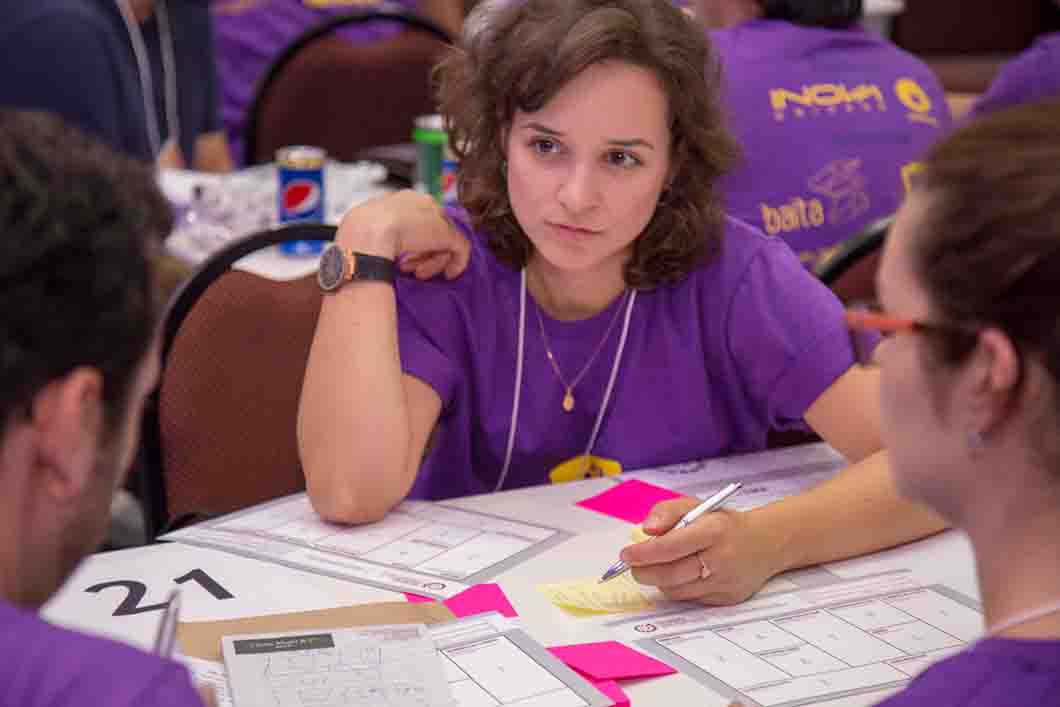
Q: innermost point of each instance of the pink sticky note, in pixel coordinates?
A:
(480, 598)
(417, 598)
(610, 660)
(613, 692)
(630, 500)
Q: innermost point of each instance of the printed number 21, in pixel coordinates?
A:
(137, 590)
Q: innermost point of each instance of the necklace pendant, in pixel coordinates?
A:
(568, 401)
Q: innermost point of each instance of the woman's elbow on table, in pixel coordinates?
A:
(354, 499)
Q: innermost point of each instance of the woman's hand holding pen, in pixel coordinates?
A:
(410, 227)
(724, 557)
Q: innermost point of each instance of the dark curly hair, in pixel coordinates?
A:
(78, 225)
(518, 55)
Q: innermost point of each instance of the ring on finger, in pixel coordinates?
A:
(704, 571)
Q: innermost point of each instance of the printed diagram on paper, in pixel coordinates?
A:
(490, 662)
(802, 647)
(391, 666)
(767, 476)
(424, 548)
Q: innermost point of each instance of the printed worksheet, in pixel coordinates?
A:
(490, 662)
(391, 666)
(767, 476)
(423, 548)
(810, 645)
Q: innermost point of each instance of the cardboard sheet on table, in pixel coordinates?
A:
(610, 660)
(630, 500)
(478, 599)
(579, 596)
(202, 639)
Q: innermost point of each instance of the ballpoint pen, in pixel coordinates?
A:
(166, 638)
(711, 504)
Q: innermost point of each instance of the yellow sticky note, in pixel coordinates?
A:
(619, 595)
(639, 535)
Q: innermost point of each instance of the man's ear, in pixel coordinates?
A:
(67, 418)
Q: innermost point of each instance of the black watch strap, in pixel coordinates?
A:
(373, 267)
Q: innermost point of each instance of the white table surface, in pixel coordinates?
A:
(261, 588)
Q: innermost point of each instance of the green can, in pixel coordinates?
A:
(431, 141)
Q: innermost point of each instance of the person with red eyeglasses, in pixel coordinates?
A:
(969, 362)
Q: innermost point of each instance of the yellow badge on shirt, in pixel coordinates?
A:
(584, 467)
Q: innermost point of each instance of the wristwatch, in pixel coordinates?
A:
(339, 266)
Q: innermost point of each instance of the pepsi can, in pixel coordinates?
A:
(300, 193)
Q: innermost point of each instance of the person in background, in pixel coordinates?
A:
(831, 117)
(1032, 76)
(92, 61)
(78, 224)
(251, 34)
(970, 389)
(601, 311)
(179, 40)
(73, 58)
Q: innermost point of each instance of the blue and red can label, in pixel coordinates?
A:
(300, 193)
(300, 197)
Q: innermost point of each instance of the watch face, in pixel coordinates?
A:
(332, 268)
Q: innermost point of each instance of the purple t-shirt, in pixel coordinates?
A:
(42, 665)
(830, 121)
(741, 345)
(996, 672)
(250, 34)
(1032, 76)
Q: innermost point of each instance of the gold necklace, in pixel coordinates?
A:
(568, 388)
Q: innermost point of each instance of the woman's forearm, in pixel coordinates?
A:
(856, 512)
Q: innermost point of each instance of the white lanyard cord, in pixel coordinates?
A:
(518, 381)
(143, 70)
(519, 378)
(169, 73)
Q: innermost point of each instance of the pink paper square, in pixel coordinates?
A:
(481, 598)
(610, 660)
(630, 500)
(417, 598)
(613, 691)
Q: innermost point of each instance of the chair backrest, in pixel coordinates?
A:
(219, 433)
(851, 270)
(324, 91)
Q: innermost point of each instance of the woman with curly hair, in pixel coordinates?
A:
(598, 310)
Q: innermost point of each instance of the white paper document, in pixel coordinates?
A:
(396, 666)
(490, 662)
(423, 548)
(207, 673)
(767, 476)
(811, 645)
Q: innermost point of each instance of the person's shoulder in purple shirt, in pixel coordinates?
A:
(1032, 76)
(711, 363)
(997, 672)
(831, 122)
(42, 665)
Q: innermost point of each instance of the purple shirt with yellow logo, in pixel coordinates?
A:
(250, 34)
(831, 123)
(1032, 76)
(741, 345)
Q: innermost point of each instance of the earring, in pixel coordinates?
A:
(975, 440)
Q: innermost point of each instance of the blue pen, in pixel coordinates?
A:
(711, 504)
